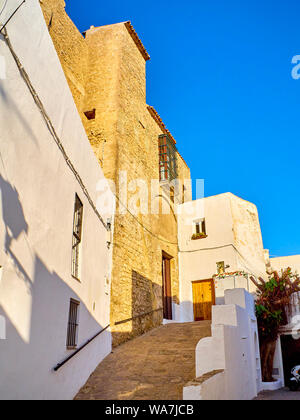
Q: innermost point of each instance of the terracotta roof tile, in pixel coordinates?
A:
(164, 129)
(159, 121)
(137, 40)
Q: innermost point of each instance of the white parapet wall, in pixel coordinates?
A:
(228, 363)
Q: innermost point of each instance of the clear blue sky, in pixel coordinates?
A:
(220, 77)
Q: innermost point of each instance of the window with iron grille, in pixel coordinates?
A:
(72, 336)
(167, 159)
(77, 233)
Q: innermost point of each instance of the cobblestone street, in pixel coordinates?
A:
(155, 366)
(282, 394)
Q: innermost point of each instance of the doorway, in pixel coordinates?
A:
(290, 354)
(167, 286)
(203, 299)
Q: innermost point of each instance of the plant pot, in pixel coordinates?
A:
(198, 237)
(272, 386)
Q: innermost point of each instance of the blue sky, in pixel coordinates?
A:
(220, 77)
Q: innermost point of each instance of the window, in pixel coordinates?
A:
(90, 115)
(172, 194)
(200, 227)
(72, 336)
(167, 159)
(221, 268)
(77, 233)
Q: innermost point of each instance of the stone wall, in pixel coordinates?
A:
(70, 46)
(124, 137)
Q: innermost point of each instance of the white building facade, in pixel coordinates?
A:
(55, 225)
(220, 242)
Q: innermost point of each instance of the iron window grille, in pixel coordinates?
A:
(77, 235)
(72, 336)
(168, 169)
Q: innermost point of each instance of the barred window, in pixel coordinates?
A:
(72, 336)
(167, 159)
(77, 233)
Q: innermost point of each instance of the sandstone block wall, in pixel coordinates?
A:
(70, 47)
(106, 71)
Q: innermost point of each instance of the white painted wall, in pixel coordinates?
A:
(233, 348)
(278, 370)
(36, 210)
(233, 236)
(281, 263)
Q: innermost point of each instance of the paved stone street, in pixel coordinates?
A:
(282, 394)
(155, 366)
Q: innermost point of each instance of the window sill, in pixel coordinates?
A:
(75, 278)
(72, 348)
(198, 238)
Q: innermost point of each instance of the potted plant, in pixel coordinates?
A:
(273, 305)
(199, 236)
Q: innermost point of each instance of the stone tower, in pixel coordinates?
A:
(106, 71)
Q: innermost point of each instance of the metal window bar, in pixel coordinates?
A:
(73, 325)
(168, 169)
(77, 234)
(60, 365)
(203, 227)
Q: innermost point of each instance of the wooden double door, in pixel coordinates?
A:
(203, 299)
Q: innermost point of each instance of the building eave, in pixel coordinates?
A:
(154, 114)
(137, 40)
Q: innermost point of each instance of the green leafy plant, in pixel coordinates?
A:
(273, 305)
(199, 236)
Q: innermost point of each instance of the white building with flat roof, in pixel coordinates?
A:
(221, 247)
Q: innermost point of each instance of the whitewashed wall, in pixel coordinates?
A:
(233, 235)
(36, 211)
(233, 349)
(281, 263)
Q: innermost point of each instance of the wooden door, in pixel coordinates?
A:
(167, 287)
(204, 299)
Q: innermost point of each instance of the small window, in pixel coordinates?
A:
(77, 234)
(90, 115)
(172, 194)
(72, 337)
(200, 227)
(167, 159)
(183, 193)
(221, 268)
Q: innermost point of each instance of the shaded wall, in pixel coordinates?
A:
(38, 191)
